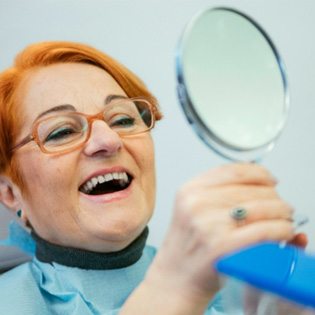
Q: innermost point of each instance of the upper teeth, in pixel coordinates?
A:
(100, 179)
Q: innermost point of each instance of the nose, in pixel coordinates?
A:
(103, 140)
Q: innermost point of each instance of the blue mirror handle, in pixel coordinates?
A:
(286, 271)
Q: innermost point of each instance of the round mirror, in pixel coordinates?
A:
(231, 84)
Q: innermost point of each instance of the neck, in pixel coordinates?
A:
(85, 259)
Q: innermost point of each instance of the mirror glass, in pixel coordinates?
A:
(232, 84)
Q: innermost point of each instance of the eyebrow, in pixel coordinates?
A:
(56, 109)
(69, 107)
(112, 97)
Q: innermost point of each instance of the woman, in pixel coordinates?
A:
(77, 166)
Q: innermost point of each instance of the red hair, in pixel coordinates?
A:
(45, 54)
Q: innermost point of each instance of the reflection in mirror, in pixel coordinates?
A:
(232, 84)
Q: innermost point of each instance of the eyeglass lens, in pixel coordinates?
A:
(70, 129)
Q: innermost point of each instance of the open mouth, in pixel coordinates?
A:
(106, 184)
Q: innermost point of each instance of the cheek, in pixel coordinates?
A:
(150, 164)
(143, 153)
(43, 175)
(146, 162)
(31, 171)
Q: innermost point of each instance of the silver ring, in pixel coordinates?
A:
(238, 214)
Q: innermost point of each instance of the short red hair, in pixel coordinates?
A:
(41, 55)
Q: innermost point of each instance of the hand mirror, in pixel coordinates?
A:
(231, 84)
(233, 90)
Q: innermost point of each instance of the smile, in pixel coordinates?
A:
(106, 184)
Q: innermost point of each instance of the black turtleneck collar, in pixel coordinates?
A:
(80, 258)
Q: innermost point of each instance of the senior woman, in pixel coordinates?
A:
(77, 166)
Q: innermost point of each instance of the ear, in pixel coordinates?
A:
(10, 194)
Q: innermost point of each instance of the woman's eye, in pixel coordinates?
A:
(123, 122)
(60, 134)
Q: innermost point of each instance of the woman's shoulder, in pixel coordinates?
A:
(19, 291)
(16, 278)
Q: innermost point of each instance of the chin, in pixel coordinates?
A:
(120, 233)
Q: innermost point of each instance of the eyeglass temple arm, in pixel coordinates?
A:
(26, 140)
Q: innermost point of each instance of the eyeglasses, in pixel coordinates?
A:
(68, 131)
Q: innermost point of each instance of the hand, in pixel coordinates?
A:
(202, 229)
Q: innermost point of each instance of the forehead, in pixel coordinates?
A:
(81, 85)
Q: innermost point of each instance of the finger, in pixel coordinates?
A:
(274, 209)
(238, 173)
(266, 210)
(300, 240)
(273, 230)
(224, 197)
